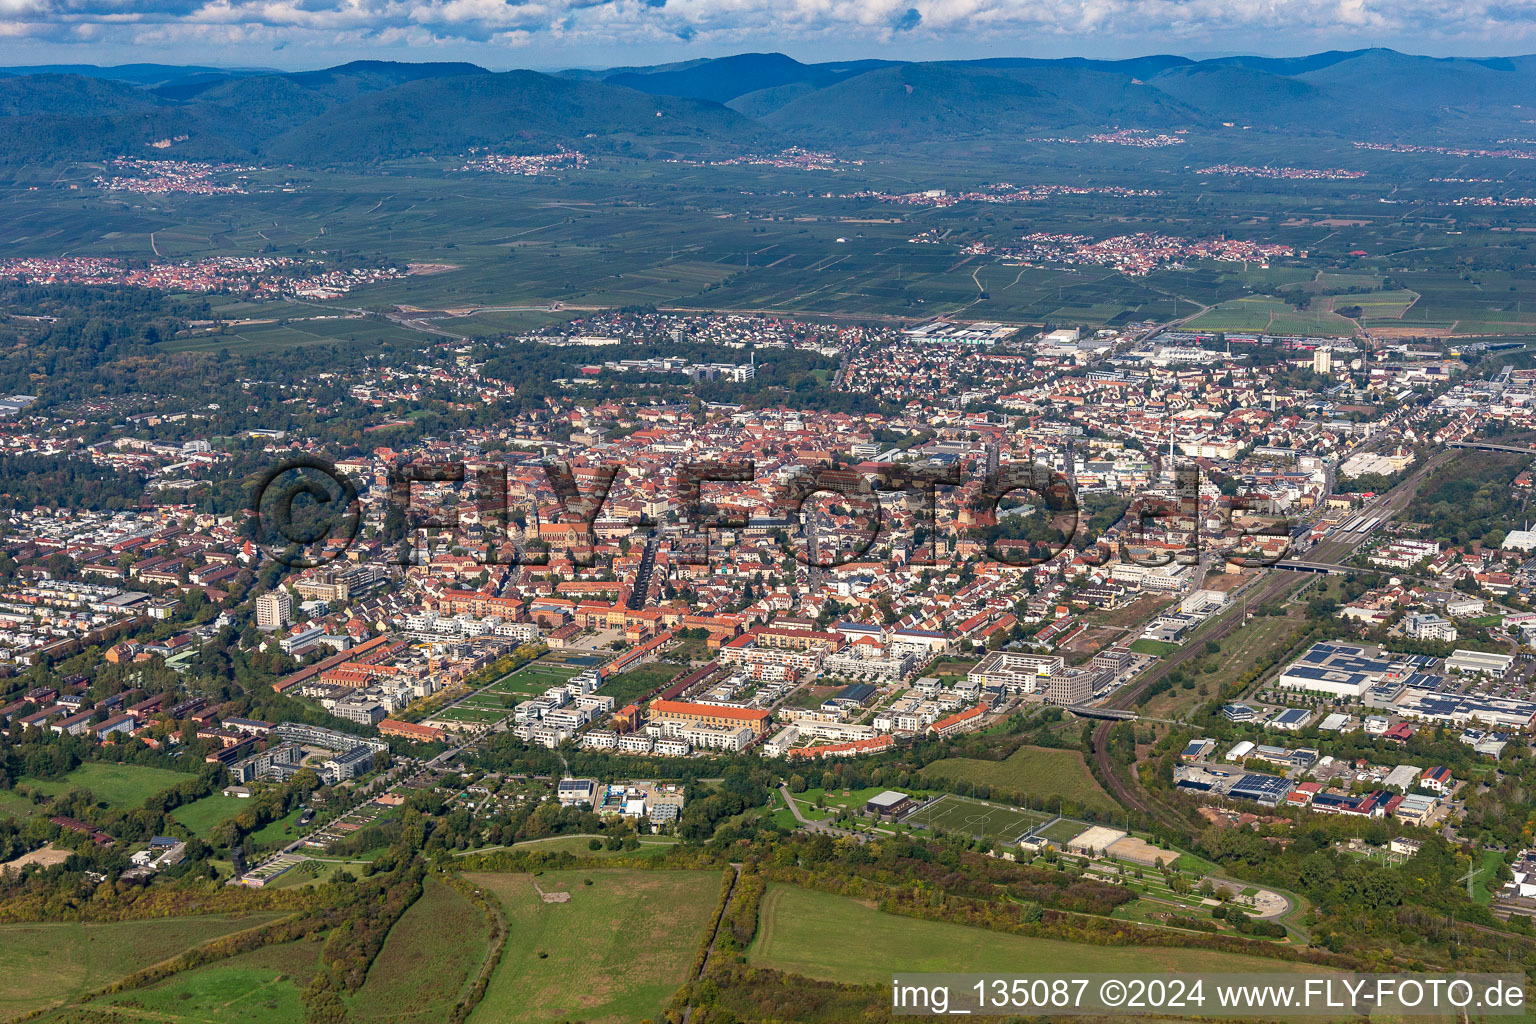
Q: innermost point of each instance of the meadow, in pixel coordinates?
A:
(613, 955)
(259, 987)
(806, 933)
(51, 964)
(202, 815)
(430, 958)
(119, 785)
(1034, 771)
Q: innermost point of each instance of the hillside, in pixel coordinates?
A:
(378, 110)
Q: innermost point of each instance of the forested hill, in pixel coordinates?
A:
(375, 110)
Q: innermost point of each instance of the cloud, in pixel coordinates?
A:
(332, 23)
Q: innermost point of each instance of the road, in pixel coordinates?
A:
(811, 825)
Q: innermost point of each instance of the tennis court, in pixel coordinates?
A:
(978, 818)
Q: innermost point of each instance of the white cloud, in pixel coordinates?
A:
(322, 23)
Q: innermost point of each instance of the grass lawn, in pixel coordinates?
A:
(202, 815)
(1035, 771)
(613, 955)
(806, 933)
(14, 805)
(1158, 648)
(428, 961)
(120, 785)
(627, 687)
(275, 833)
(51, 964)
(259, 987)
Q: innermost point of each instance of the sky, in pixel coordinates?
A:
(544, 34)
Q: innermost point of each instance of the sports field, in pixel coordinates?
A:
(614, 954)
(982, 819)
(807, 933)
(1062, 831)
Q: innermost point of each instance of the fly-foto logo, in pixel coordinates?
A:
(305, 512)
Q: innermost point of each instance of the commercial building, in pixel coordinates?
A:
(1340, 670)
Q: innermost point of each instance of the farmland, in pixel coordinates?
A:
(50, 964)
(805, 932)
(1034, 771)
(613, 954)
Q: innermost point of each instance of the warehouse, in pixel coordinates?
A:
(1268, 790)
(1340, 670)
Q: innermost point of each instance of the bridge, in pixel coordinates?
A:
(1111, 714)
(1324, 567)
(1489, 446)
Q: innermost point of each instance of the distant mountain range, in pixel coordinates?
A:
(374, 110)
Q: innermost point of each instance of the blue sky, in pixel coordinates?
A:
(571, 33)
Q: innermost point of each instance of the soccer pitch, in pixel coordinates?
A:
(977, 818)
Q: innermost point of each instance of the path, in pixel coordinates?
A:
(714, 934)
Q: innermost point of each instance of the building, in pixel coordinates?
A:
(1474, 663)
(1071, 687)
(889, 804)
(1426, 626)
(274, 610)
(1267, 790)
(674, 716)
(1016, 672)
(575, 792)
(1339, 670)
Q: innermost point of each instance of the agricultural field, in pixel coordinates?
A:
(259, 987)
(432, 955)
(805, 932)
(52, 964)
(614, 954)
(982, 819)
(1034, 771)
(119, 785)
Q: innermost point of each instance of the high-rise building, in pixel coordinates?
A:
(273, 610)
(1322, 361)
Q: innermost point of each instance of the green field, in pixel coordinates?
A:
(1275, 316)
(983, 820)
(202, 815)
(259, 987)
(1157, 648)
(805, 932)
(1062, 831)
(1035, 771)
(612, 955)
(51, 964)
(119, 785)
(627, 687)
(14, 805)
(431, 957)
